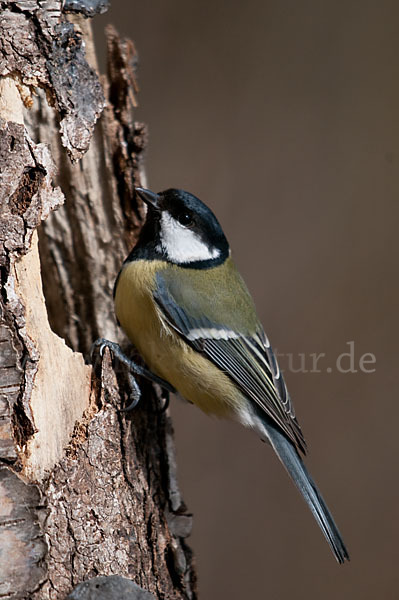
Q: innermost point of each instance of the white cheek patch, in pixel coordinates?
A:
(181, 244)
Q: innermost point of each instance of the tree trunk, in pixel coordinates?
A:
(85, 490)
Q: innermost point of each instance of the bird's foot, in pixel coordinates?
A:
(133, 367)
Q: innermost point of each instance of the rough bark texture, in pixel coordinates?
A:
(85, 490)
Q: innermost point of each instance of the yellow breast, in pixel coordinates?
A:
(164, 351)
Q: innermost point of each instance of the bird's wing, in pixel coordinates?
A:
(247, 358)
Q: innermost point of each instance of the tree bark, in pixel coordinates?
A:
(85, 490)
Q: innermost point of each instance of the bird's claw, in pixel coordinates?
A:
(135, 394)
(101, 344)
(165, 396)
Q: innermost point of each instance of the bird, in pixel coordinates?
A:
(185, 307)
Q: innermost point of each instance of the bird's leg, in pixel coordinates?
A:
(133, 367)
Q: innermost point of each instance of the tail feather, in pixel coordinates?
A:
(299, 474)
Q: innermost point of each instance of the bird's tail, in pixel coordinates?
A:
(297, 470)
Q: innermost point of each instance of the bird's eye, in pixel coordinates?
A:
(185, 219)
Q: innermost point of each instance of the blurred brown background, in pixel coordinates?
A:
(284, 118)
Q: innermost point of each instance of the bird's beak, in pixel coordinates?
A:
(149, 197)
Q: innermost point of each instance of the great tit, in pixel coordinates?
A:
(185, 307)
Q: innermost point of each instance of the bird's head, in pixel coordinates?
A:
(182, 230)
